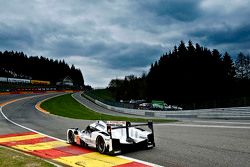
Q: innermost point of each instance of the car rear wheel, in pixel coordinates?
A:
(100, 145)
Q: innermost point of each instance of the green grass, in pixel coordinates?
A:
(13, 158)
(66, 106)
(103, 94)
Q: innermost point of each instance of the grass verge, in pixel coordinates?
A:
(10, 157)
(66, 106)
(103, 94)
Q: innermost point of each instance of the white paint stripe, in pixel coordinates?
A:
(140, 161)
(136, 160)
(241, 123)
(205, 126)
(21, 126)
(72, 95)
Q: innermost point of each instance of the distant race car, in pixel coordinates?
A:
(109, 137)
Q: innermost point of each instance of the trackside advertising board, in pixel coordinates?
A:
(38, 82)
(158, 104)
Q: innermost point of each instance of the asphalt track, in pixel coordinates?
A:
(186, 143)
(91, 105)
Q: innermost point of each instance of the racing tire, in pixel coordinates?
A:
(71, 138)
(100, 145)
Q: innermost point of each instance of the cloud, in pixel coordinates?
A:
(100, 77)
(224, 7)
(116, 38)
(178, 9)
(133, 55)
(13, 37)
(225, 34)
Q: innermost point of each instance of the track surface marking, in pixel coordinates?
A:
(58, 150)
(49, 148)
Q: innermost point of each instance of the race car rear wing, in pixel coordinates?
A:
(128, 125)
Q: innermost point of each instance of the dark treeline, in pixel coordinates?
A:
(19, 65)
(190, 75)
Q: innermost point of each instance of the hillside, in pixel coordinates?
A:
(191, 76)
(19, 65)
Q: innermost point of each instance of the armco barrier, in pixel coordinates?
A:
(111, 103)
(147, 113)
(214, 113)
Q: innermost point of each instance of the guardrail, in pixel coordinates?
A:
(109, 102)
(214, 113)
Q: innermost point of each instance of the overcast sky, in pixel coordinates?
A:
(113, 38)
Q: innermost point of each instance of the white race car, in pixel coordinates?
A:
(110, 137)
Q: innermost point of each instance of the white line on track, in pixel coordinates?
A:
(224, 122)
(205, 126)
(19, 125)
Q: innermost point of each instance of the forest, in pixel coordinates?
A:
(19, 65)
(192, 77)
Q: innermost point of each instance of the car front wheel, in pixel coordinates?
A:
(100, 145)
(71, 138)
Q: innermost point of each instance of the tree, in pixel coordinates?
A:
(242, 66)
(191, 49)
(182, 50)
(247, 66)
(228, 65)
(188, 75)
(19, 65)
